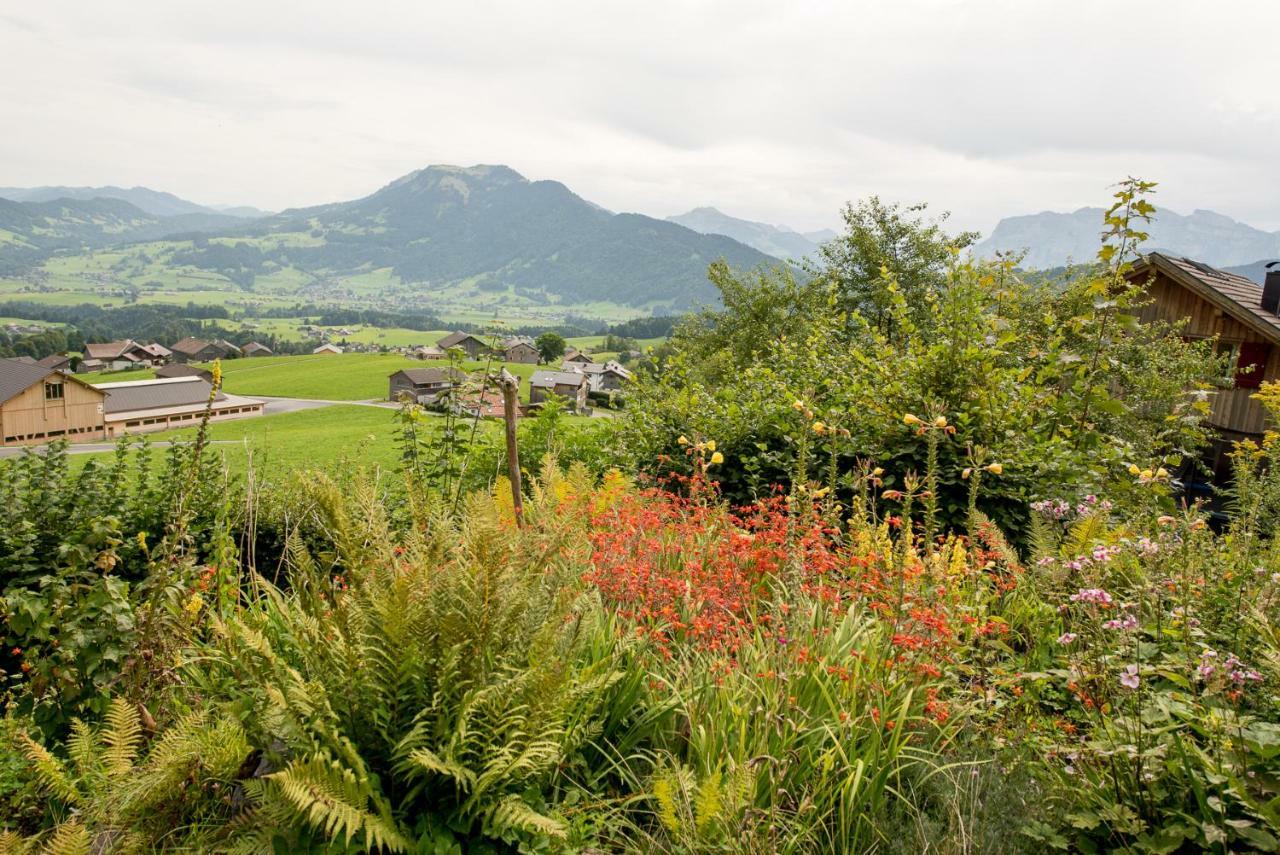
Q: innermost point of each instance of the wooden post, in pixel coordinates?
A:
(510, 394)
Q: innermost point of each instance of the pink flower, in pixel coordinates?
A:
(1129, 677)
(1091, 595)
(1067, 638)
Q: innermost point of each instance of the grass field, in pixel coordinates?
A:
(343, 377)
(340, 377)
(306, 439)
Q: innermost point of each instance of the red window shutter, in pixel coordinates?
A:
(1252, 353)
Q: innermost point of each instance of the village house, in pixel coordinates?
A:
(38, 404)
(196, 350)
(327, 350)
(147, 405)
(570, 385)
(473, 346)
(57, 361)
(580, 357)
(254, 348)
(609, 377)
(1241, 315)
(159, 353)
(520, 349)
(422, 385)
(115, 356)
(428, 352)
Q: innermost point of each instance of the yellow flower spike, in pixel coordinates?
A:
(910, 419)
(995, 468)
(819, 427)
(683, 440)
(711, 445)
(717, 459)
(818, 494)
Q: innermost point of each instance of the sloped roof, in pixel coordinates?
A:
(1238, 296)
(156, 394)
(454, 339)
(56, 360)
(590, 368)
(420, 376)
(557, 378)
(255, 347)
(109, 349)
(182, 369)
(190, 345)
(157, 349)
(17, 377)
(518, 339)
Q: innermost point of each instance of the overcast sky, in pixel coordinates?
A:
(774, 111)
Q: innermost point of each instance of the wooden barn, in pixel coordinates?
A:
(1242, 315)
(39, 404)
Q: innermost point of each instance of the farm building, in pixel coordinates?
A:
(569, 385)
(473, 346)
(197, 350)
(327, 350)
(423, 385)
(578, 356)
(146, 405)
(428, 352)
(116, 356)
(38, 404)
(1243, 316)
(254, 348)
(521, 349)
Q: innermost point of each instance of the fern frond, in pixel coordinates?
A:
(50, 771)
(664, 790)
(70, 838)
(428, 760)
(334, 800)
(12, 842)
(707, 804)
(514, 814)
(121, 737)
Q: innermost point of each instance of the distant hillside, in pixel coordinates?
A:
(1053, 239)
(154, 202)
(491, 227)
(30, 231)
(780, 242)
(1256, 271)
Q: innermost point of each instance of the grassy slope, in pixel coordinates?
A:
(343, 377)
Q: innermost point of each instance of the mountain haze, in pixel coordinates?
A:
(778, 241)
(154, 202)
(1053, 239)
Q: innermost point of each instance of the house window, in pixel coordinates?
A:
(53, 391)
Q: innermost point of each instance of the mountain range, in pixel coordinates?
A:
(154, 202)
(483, 227)
(1052, 239)
(777, 241)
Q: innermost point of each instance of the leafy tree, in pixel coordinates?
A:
(886, 246)
(550, 346)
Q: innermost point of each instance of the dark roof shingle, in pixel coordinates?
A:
(1237, 295)
(17, 377)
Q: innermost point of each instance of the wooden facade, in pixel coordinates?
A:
(1211, 309)
(56, 407)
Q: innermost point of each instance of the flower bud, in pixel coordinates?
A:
(995, 468)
